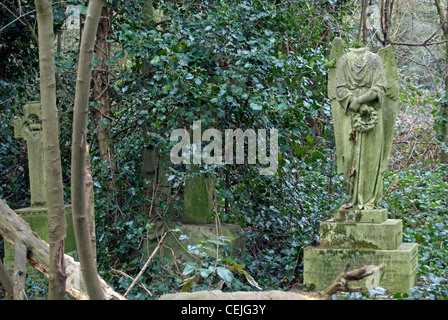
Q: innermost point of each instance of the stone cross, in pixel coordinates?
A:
(29, 127)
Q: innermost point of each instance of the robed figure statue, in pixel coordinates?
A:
(363, 91)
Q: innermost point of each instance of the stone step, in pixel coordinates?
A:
(386, 235)
(360, 216)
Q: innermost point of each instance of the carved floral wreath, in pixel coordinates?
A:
(368, 124)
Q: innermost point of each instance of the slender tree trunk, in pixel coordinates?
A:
(90, 204)
(444, 111)
(365, 30)
(102, 112)
(444, 116)
(57, 223)
(443, 16)
(101, 88)
(79, 143)
(363, 23)
(386, 17)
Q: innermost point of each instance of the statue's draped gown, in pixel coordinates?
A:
(358, 72)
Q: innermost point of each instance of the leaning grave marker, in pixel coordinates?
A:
(363, 90)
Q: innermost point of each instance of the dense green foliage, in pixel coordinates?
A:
(204, 62)
(232, 64)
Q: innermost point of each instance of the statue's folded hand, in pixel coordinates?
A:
(364, 110)
(354, 105)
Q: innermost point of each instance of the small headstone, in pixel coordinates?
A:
(198, 198)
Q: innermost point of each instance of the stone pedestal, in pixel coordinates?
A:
(362, 238)
(37, 219)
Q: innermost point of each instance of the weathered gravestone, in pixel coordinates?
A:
(196, 225)
(363, 89)
(157, 186)
(71, 33)
(199, 192)
(29, 128)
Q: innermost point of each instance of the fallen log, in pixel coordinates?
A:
(6, 280)
(17, 233)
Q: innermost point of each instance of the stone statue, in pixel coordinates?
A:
(363, 89)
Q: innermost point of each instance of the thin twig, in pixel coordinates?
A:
(146, 264)
(128, 276)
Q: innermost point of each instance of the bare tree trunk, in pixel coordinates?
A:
(102, 112)
(101, 88)
(365, 30)
(90, 204)
(363, 23)
(57, 223)
(15, 230)
(385, 19)
(79, 143)
(443, 16)
(444, 111)
(20, 271)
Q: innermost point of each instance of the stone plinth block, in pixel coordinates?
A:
(176, 243)
(386, 235)
(360, 216)
(323, 265)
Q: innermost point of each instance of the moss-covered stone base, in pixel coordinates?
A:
(356, 215)
(323, 265)
(36, 217)
(386, 235)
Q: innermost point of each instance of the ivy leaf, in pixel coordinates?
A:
(236, 90)
(186, 285)
(189, 268)
(206, 272)
(255, 106)
(250, 279)
(226, 275)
